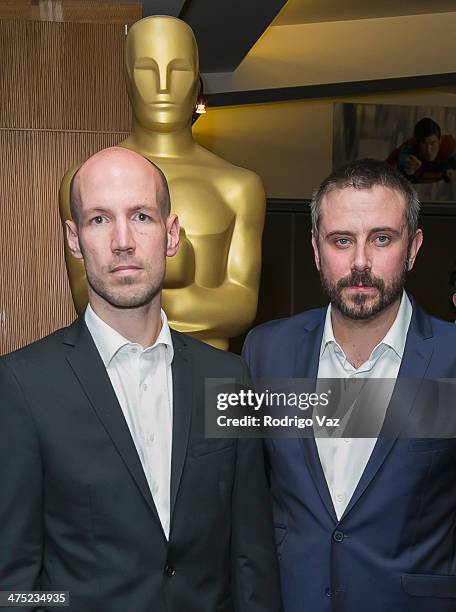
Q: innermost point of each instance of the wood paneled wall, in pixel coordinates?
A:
(72, 10)
(62, 97)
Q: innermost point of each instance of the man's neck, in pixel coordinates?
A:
(141, 325)
(359, 338)
(162, 144)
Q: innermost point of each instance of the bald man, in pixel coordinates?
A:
(109, 489)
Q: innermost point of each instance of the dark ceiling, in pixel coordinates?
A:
(225, 30)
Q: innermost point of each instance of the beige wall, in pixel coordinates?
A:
(289, 143)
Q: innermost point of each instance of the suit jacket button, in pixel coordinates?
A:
(338, 536)
(169, 570)
(328, 592)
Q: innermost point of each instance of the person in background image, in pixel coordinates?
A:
(428, 157)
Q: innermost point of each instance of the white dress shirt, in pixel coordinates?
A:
(142, 380)
(344, 459)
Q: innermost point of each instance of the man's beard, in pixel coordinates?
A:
(133, 299)
(362, 306)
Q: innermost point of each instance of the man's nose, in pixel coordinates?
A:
(361, 258)
(122, 237)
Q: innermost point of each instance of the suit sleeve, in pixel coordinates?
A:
(254, 351)
(255, 567)
(247, 352)
(20, 489)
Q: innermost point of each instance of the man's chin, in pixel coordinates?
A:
(125, 296)
(129, 301)
(360, 308)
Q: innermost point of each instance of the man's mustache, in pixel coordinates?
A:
(123, 260)
(360, 278)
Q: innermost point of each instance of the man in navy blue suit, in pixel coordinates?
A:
(364, 524)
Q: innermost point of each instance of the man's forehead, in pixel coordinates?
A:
(376, 206)
(377, 197)
(115, 163)
(432, 138)
(114, 177)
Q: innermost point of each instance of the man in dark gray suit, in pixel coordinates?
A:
(109, 488)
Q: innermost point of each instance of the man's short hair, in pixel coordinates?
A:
(426, 127)
(164, 197)
(365, 174)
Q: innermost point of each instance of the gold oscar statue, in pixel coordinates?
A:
(211, 286)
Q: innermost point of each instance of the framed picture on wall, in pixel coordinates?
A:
(419, 140)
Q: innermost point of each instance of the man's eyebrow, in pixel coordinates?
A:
(339, 233)
(95, 209)
(143, 205)
(152, 211)
(374, 230)
(134, 207)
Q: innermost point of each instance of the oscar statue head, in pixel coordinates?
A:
(161, 58)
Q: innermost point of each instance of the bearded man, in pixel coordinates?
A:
(363, 523)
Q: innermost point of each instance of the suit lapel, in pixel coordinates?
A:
(418, 351)
(89, 369)
(306, 366)
(182, 409)
(308, 350)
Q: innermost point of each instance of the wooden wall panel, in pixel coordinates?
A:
(17, 267)
(15, 79)
(72, 10)
(87, 78)
(66, 76)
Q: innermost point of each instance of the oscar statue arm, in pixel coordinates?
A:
(75, 268)
(228, 309)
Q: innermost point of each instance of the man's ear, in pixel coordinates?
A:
(72, 237)
(172, 235)
(415, 247)
(315, 250)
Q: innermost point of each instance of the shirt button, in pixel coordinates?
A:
(134, 350)
(169, 570)
(151, 437)
(347, 440)
(340, 497)
(338, 536)
(144, 387)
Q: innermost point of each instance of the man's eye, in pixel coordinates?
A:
(382, 239)
(342, 242)
(142, 217)
(98, 220)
